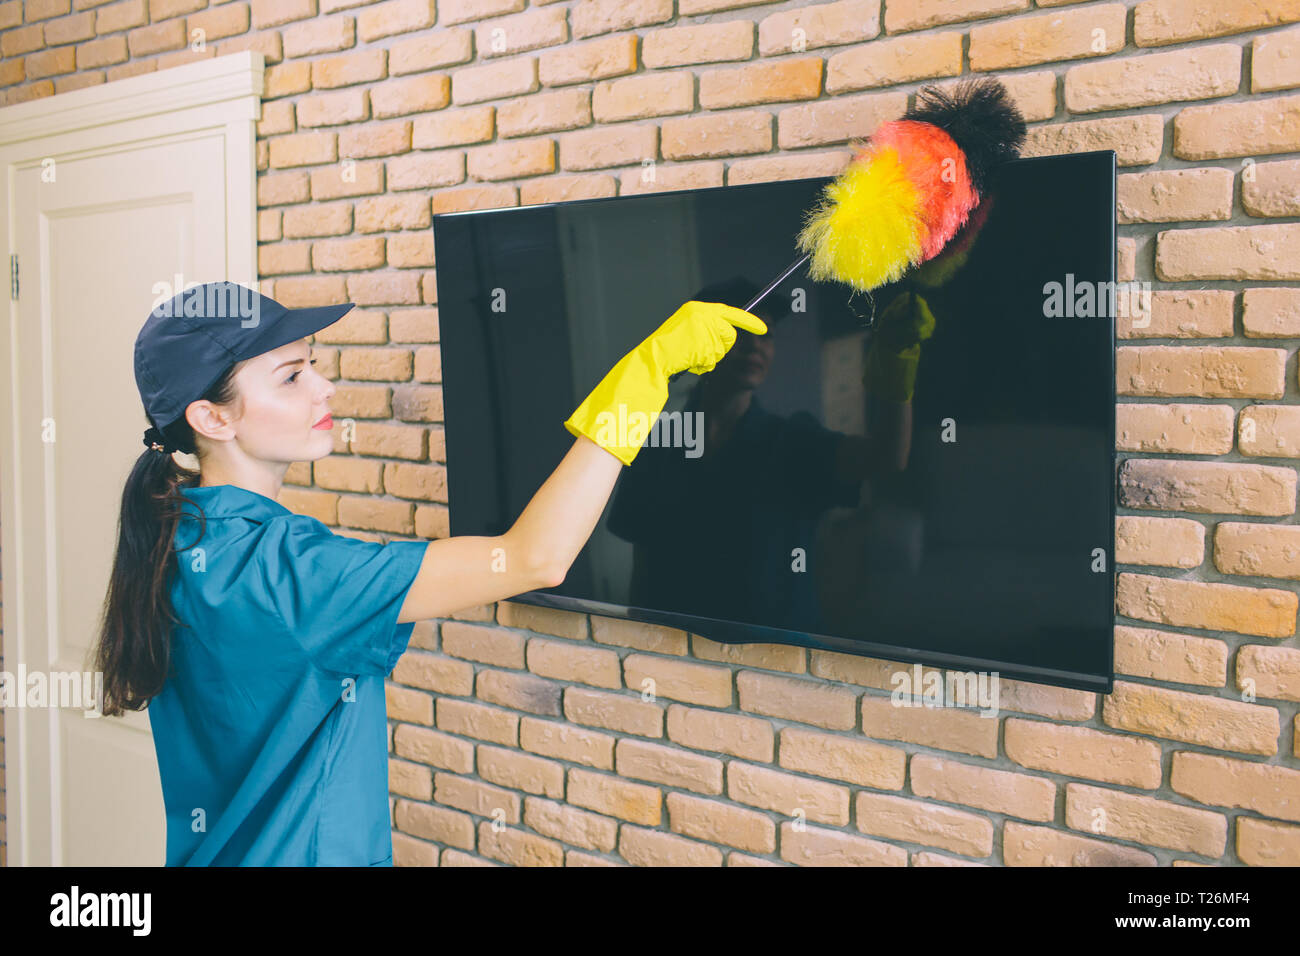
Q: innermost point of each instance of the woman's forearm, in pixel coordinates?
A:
(560, 517)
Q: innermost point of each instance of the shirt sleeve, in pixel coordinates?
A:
(338, 597)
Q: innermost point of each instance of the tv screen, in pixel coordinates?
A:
(779, 500)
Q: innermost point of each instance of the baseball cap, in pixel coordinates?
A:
(189, 340)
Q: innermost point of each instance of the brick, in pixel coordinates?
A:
(567, 742)
(1257, 549)
(670, 766)
(790, 698)
(229, 20)
(1275, 61)
(1195, 718)
(70, 29)
(1160, 22)
(775, 82)
(1248, 128)
(430, 51)
(362, 179)
(570, 825)
(1160, 542)
(1270, 672)
(509, 160)
(502, 36)
(1270, 430)
(1272, 189)
(886, 62)
(408, 251)
(571, 662)
(475, 797)
(416, 94)
(772, 657)
(333, 109)
(1174, 195)
(1173, 658)
(102, 52)
(594, 17)
(837, 120)
(453, 128)
(1227, 782)
(474, 197)
(638, 97)
(1218, 372)
(788, 794)
(390, 441)
(559, 110)
(735, 132)
(302, 149)
(1083, 752)
(1024, 845)
(461, 11)
(1191, 313)
(1143, 819)
(716, 822)
(604, 146)
(543, 620)
(384, 213)
(784, 167)
(634, 802)
(1137, 140)
(1045, 37)
(320, 35)
(657, 848)
(1013, 794)
(625, 712)
(273, 13)
(494, 81)
(861, 762)
(818, 846)
(702, 43)
(1263, 612)
(1266, 843)
(51, 62)
(157, 38)
(520, 771)
(915, 821)
(348, 69)
(740, 736)
(448, 677)
(1043, 700)
(679, 680)
(1270, 313)
(434, 823)
(375, 139)
(820, 25)
(1207, 487)
(392, 17)
(268, 44)
(1197, 74)
(943, 728)
(901, 15)
(1034, 94)
(1229, 252)
(285, 79)
(587, 61)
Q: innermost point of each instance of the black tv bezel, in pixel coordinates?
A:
(762, 634)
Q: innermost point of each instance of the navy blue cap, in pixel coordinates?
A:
(189, 341)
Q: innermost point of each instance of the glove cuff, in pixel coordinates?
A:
(892, 375)
(620, 411)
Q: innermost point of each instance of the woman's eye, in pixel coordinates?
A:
(296, 374)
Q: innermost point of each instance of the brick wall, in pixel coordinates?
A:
(378, 115)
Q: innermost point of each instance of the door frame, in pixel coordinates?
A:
(220, 92)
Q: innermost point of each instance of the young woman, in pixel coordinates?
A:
(258, 638)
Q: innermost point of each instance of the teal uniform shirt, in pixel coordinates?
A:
(271, 730)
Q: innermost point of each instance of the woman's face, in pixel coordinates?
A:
(284, 406)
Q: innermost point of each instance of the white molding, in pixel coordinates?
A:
(213, 80)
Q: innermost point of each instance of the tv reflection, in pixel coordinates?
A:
(729, 532)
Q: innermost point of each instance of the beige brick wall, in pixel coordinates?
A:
(378, 115)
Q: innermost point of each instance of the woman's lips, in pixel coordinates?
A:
(325, 424)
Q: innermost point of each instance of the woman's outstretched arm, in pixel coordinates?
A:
(537, 552)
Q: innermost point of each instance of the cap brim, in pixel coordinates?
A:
(296, 324)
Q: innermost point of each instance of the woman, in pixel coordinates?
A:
(258, 638)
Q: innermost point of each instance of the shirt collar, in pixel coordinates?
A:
(232, 501)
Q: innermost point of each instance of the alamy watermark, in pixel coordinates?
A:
(84, 689)
(935, 688)
(1086, 299)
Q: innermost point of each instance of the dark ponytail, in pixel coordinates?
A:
(134, 649)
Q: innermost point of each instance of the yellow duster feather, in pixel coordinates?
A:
(867, 229)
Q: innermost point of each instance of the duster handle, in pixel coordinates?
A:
(777, 281)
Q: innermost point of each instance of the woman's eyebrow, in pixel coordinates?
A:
(283, 364)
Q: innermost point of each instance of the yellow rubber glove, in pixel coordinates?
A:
(895, 348)
(621, 410)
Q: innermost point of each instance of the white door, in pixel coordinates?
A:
(118, 195)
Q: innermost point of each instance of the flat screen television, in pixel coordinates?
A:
(971, 528)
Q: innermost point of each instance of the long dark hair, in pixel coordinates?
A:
(134, 649)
